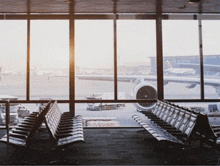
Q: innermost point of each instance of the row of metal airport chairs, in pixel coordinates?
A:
(64, 128)
(177, 124)
(22, 133)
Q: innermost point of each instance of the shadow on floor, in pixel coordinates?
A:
(116, 146)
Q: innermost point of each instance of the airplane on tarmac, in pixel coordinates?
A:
(178, 71)
(143, 89)
(207, 67)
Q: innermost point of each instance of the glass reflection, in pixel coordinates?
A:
(180, 49)
(211, 57)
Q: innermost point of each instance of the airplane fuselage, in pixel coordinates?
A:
(180, 71)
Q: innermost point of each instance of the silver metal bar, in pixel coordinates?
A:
(7, 105)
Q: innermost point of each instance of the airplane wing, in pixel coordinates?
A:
(121, 78)
(143, 89)
(193, 81)
(133, 78)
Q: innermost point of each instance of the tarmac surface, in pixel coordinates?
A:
(110, 146)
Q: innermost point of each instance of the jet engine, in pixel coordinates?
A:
(144, 90)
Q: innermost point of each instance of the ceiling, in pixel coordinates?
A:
(107, 6)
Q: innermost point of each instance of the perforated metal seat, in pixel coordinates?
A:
(176, 124)
(21, 134)
(64, 129)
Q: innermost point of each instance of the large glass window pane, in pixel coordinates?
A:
(49, 59)
(211, 57)
(13, 55)
(94, 59)
(180, 51)
(94, 63)
(136, 51)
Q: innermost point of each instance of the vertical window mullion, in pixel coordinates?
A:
(72, 58)
(201, 58)
(159, 43)
(115, 52)
(115, 59)
(28, 54)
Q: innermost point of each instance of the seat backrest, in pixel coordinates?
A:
(163, 111)
(170, 114)
(185, 121)
(160, 109)
(39, 119)
(191, 124)
(180, 118)
(166, 112)
(52, 119)
(157, 107)
(174, 116)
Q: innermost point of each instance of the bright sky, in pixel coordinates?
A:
(94, 42)
(13, 38)
(180, 38)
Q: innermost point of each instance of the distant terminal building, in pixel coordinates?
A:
(175, 61)
(134, 68)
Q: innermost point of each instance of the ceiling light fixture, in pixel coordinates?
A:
(68, 1)
(193, 1)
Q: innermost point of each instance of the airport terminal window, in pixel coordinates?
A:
(211, 56)
(94, 64)
(13, 55)
(180, 48)
(94, 59)
(49, 54)
(136, 47)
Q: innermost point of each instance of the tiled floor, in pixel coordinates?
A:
(110, 146)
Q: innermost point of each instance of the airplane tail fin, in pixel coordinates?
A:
(169, 66)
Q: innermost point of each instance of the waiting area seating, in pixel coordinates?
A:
(170, 122)
(23, 132)
(63, 127)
